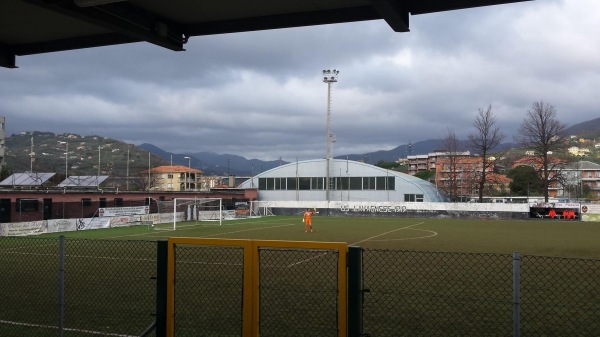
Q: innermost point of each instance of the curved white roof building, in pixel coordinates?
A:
(348, 181)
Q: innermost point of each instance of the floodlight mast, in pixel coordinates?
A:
(329, 76)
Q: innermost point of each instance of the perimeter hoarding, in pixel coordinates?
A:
(590, 212)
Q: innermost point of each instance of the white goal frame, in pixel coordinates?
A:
(218, 216)
(260, 208)
(194, 211)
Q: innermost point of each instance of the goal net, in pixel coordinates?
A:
(260, 208)
(192, 210)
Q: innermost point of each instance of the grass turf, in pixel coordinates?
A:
(557, 238)
(109, 286)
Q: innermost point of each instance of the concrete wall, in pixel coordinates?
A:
(398, 209)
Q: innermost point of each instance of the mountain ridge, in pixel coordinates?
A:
(49, 153)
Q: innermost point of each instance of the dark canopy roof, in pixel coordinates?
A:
(40, 26)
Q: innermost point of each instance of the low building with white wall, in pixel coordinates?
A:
(349, 181)
(360, 189)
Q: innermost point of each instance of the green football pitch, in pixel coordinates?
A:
(535, 237)
(109, 286)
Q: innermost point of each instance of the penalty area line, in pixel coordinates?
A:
(382, 234)
(248, 230)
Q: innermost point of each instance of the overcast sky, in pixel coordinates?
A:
(260, 94)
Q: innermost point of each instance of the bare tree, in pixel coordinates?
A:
(541, 132)
(485, 138)
(452, 179)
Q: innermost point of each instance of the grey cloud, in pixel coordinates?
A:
(260, 94)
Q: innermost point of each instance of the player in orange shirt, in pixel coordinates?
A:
(307, 219)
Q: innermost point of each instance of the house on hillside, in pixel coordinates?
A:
(174, 178)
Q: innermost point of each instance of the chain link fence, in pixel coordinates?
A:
(108, 288)
(208, 295)
(560, 297)
(298, 292)
(99, 287)
(409, 293)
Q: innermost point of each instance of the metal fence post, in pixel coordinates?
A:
(61, 285)
(355, 291)
(162, 248)
(516, 294)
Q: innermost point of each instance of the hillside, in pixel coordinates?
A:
(589, 129)
(87, 155)
(216, 164)
(85, 158)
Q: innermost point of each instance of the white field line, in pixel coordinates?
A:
(306, 260)
(371, 239)
(243, 230)
(87, 257)
(29, 247)
(414, 238)
(382, 234)
(91, 332)
(248, 230)
(195, 226)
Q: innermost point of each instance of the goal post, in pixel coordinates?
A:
(192, 209)
(260, 208)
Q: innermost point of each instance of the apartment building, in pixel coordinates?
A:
(175, 178)
(460, 176)
(580, 177)
(427, 162)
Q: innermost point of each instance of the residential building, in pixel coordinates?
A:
(578, 151)
(175, 178)
(459, 176)
(427, 162)
(556, 175)
(579, 177)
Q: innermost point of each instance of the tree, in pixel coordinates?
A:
(525, 181)
(390, 165)
(485, 138)
(541, 132)
(425, 175)
(452, 184)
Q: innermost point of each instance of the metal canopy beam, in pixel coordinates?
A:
(7, 57)
(394, 12)
(351, 14)
(122, 18)
(42, 26)
(67, 44)
(424, 7)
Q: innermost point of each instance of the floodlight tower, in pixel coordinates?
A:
(329, 76)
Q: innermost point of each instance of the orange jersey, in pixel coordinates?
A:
(307, 217)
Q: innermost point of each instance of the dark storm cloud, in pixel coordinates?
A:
(260, 94)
